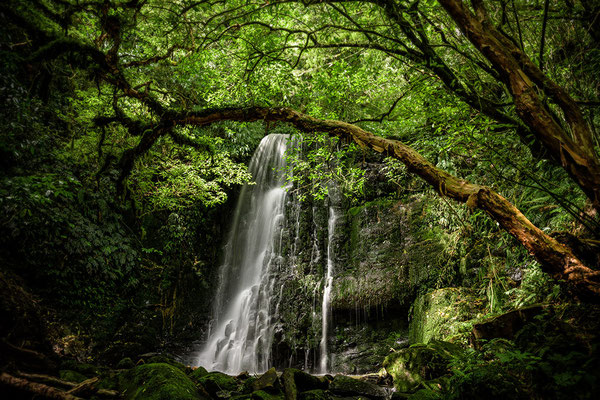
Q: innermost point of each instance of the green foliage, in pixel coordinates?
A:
(536, 287)
(316, 162)
(186, 179)
(68, 238)
(542, 362)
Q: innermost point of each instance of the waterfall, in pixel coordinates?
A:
(244, 317)
(327, 291)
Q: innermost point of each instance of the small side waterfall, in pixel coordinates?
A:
(244, 317)
(327, 291)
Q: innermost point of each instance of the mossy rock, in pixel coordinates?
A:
(316, 394)
(245, 396)
(417, 364)
(264, 395)
(165, 360)
(444, 314)
(425, 394)
(72, 376)
(159, 381)
(247, 386)
(215, 382)
(198, 373)
(268, 381)
(295, 381)
(346, 386)
(113, 380)
(125, 363)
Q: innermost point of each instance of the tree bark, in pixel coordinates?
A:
(555, 258)
(85, 388)
(37, 390)
(574, 149)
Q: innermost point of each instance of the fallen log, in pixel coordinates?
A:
(85, 388)
(34, 388)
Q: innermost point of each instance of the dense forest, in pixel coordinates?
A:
(264, 199)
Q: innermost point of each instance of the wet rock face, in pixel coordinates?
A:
(361, 347)
(388, 254)
(381, 254)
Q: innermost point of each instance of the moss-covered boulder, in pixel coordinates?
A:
(215, 382)
(444, 314)
(346, 386)
(296, 381)
(505, 325)
(264, 395)
(417, 364)
(198, 373)
(425, 394)
(268, 381)
(125, 363)
(159, 381)
(317, 394)
(247, 385)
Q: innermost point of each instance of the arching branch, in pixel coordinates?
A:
(555, 258)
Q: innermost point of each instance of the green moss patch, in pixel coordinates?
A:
(159, 381)
(413, 366)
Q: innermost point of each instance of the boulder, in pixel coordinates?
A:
(263, 395)
(504, 326)
(268, 381)
(347, 386)
(215, 382)
(125, 363)
(414, 365)
(296, 381)
(198, 373)
(317, 394)
(159, 381)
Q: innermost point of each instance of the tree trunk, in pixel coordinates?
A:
(575, 150)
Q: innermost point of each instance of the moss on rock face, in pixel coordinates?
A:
(444, 314)
(415, 365)
(159, 381)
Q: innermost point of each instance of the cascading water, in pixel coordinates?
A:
(244, 316)
(327, 292)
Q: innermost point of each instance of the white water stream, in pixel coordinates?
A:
(325, 307)
(244, 318)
